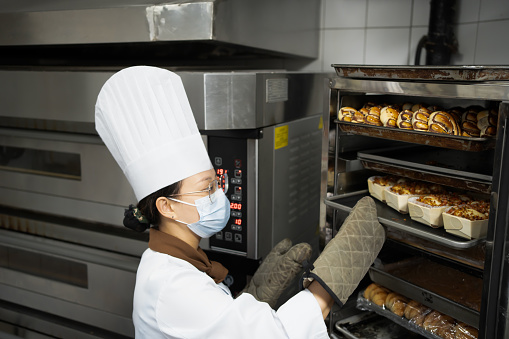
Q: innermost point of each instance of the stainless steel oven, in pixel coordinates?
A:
(66, 255)
(462, 278)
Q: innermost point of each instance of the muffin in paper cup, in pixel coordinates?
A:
(463, 227)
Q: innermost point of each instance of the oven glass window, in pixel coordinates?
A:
(41, 162)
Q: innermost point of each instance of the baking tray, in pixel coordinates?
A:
(393, 219)
(425, 297)
(371, 325)
(467, 171)
(432, 73)
(419, 137)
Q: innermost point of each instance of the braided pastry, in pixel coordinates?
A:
(469, 124)
(487, 122)
(405, 119)
(360, 116)
(420, 119)
(389, 116)
(373, 117)
(443, 122)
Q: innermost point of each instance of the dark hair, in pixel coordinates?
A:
(140, 218)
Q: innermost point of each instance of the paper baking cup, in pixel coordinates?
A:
(398, 201)
(463, 227)
(426, 214)
(377, 191)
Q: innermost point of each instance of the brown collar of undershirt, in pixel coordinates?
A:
(168, 244)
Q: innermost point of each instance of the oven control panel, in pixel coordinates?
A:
(229, 157)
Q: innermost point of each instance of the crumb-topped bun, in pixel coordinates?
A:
(346, 114)
(443, 122)
(405, 119)
(420, 119)
(389, 116)
(373, 117)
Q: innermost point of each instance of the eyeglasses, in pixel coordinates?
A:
(211, 189)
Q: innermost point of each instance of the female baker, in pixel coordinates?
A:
(144, 118)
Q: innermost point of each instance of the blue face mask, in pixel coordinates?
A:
(214, 214)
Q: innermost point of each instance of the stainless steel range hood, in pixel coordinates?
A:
(160, 30)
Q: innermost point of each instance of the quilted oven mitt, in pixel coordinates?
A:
(348, 256)
(277, 270)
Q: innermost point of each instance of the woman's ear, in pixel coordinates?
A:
(165, 207)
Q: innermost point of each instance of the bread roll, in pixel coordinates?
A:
(405, 119)
(417, 107)
(389, 116)
(420, 119)
(456, 112)
(369, 289)
(396, 303)
(416, 312)
(378, 295)
(487, 122)
(373, 117)
(469, 124)
(346, 114)
(360, 116)
(464, 331)
(443, 122)
(439, 324)
(406, 105)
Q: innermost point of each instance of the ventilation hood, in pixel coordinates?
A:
(171, 32)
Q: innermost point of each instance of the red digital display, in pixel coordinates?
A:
(238, 222)
(220, 171)
(235, 206)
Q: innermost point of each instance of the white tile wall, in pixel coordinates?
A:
(344, 13)
(387, 32)
(389, 13)
(493, 43)
(387, 46)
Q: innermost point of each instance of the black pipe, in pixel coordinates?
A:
(441, 42)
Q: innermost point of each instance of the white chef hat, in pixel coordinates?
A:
(143, 116)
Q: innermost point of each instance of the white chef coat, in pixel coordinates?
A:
(173, 299)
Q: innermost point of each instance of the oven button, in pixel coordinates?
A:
(236, 214)
(236, 197)
(219, 235)
(238, 237)
(238, 163)
(218, 161)
(228, 236)
(238, 173)
(236, 181)
(238, 190)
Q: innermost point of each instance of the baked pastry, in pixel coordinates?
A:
(456, 112)
(443, 122)
(464, 331)
(368, 105)
(373, 117)
(439, 324)
(474, 210)
(360, 116)
(434, 108)
(369, 289)
(487, 122)
(405, 119)
(469, 124)
(406, 105)
(346, 114)
(420, 119)
(389, 116)
(440, 200)
(416, 188)
(417, 107)
(396, 303)
(416, 312)
(378, 295)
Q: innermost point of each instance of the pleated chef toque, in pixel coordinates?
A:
(143, 116)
